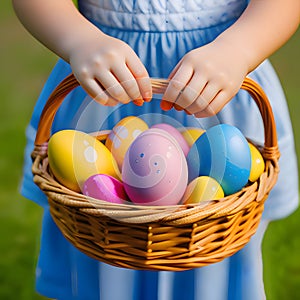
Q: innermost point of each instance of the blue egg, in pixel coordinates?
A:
(223, 153)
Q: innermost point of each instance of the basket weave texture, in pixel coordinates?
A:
(171, 238)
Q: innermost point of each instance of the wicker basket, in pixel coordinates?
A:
(170, 238)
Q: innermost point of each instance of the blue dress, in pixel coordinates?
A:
(161, 32)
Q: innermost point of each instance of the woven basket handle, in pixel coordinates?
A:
(159, 86)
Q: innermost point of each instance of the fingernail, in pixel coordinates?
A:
(177, 107)
(102, 98)
(138, 102)
(147, 97)
(166, 105)
(187, 112)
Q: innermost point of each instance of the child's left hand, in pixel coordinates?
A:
(206, 79)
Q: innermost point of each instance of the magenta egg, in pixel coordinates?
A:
(105, 187)
(154, 170)
(176, 134)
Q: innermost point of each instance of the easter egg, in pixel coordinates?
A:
(191, 134)
(105, 187)
(175, 133)
(202, 188)
(257, 163)
(122, 135)
(221, 152)
(154, 171)
(74, 156)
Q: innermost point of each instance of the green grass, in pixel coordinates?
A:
(25, 65)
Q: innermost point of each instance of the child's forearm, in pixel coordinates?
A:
(262, 29)
(106, 67)
(57, 24)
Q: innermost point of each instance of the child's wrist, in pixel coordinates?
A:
(83, 33)
(240, 54)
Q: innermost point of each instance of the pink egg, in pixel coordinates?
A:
(154, 170)
(175, 133)
(105, 187)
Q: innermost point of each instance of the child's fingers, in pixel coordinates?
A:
(177, 83)
(191, 91)
(128, 82)
(95, 91)
(214, 106)
(112, 86)
(178, 107)
(145, 88)
(138, 102)
(166, 105)
(141, 75)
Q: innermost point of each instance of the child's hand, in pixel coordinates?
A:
(205, 79)
(110, 71)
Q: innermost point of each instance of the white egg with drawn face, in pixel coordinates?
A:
(122, 135)
(154, 171)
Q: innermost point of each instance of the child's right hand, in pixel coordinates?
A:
(110, 71)
(107, 68)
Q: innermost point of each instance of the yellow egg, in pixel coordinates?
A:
(257, 163)
(202, 188)
(122, 135)
(191, 134)
(74, 156)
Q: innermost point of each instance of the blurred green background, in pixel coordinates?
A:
(25, 65)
